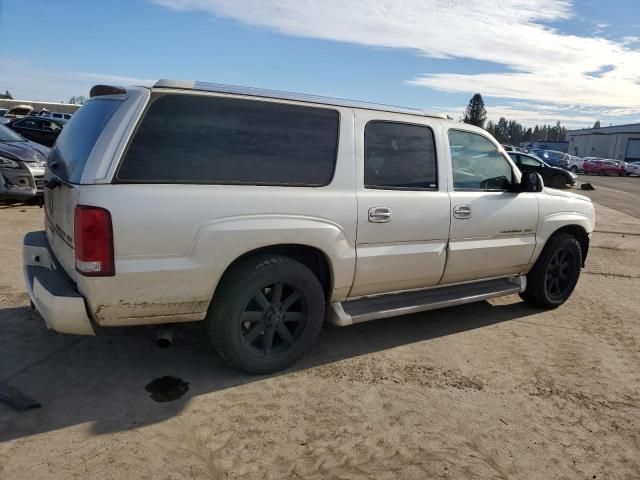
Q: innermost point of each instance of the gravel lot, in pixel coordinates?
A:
(491, 390)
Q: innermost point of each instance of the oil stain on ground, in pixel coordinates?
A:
(167, 389)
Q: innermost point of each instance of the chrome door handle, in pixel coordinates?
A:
(379, 214)
(462, 211)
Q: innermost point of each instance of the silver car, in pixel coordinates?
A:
(22, 165)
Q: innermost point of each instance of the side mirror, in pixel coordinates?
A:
(531, 182)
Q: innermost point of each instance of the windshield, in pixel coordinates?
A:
(8, 135)
(74, 145)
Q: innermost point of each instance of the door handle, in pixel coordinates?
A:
(379, 214)
(462, 211)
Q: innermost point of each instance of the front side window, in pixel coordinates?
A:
(477, 163)
(206, 139)
(399, 156)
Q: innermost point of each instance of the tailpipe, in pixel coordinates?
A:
(164, 337)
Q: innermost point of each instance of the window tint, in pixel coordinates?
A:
(30, 123)
(525, 160)
(399, 155)
(477, 163)
(199, 139)
(79, 135)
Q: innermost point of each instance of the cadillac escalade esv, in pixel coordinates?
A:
(263, 213)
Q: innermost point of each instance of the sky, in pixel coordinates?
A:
(535, 61)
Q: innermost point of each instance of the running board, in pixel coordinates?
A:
(393, 305)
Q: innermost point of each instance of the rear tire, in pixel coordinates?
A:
(266, 314)
(554, 276)
(574, 169)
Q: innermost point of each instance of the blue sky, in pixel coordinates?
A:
(533, 60)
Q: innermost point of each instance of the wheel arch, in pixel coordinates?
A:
(312, 257)
(580, 234)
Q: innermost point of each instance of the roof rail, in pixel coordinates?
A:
(281, 95)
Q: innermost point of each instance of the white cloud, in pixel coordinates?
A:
(528, 115)
(27, 82)
(543, 64)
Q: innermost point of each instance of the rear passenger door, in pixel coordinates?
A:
(403, 204)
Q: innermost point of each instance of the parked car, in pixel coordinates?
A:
(56, 115)
(603, 167)
(41, 130)
(22, 165)
(47, 114)
(257, 212)
(3, 111)
(556, 159)
(633, 168)
(623, 165)
(19, 111)
(553, 176)
(575, 164)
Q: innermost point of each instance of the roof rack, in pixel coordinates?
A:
(298, 97)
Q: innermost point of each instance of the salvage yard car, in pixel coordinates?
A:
(41, 130)
(603, 167)
(262, 212)
(555, 177)
(21, 166)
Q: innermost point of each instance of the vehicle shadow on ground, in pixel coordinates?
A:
(102, 379)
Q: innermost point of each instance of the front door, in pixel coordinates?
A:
(493, 230)
(403, 205)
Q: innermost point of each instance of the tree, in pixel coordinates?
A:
(6, 95)
(597, 124)
(475, 113)
(78, 100)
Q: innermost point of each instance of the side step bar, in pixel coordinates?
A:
(393, 305)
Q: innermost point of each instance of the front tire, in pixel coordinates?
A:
(266, 314)
(555, 275)
(558, 181)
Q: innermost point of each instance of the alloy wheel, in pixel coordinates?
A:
(273, 319)
(560, 273)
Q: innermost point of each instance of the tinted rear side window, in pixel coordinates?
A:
(79, 136)
(198, 139)
(399, 156)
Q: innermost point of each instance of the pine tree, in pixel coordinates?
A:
(475, 113)
(7, 95)
(597, 124)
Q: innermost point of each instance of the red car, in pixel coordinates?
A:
(603, 167)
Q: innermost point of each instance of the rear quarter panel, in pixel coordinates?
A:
(173, 242)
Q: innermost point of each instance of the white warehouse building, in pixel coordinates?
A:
(620, 142)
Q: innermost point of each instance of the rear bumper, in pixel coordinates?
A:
(50, 290)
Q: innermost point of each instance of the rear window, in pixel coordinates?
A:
(79, 136)
(197, 139)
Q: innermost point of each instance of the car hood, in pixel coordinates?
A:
(24, 151)
(562, 193)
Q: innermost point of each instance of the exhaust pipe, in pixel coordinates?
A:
(164, 337)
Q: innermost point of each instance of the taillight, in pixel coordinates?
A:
(93, 238)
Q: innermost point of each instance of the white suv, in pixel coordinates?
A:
(261, 213)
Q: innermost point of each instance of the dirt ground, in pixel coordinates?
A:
(490, 390)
